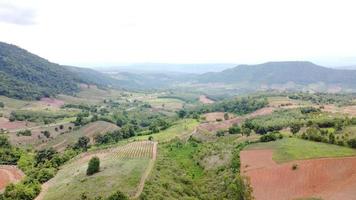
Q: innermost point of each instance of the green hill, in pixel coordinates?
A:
(24, 75)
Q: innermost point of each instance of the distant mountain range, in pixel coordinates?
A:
(27, 76)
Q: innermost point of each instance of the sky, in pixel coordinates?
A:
(111, 32)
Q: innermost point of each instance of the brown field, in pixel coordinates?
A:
(37, 137)
(350, 110)
(52, 102)
(61, 141)
(213, 126)
(6, 124)
(205, 100)
(212, 117)
(326, 178)
(9, 174)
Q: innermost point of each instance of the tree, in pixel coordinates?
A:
(61, 126)
(246, 131)
(45, 154)
(46, 133)
(83, 143)
(4, 142)
(2, 105)
(118, 196)
(220, 133)
(182, 113)
(235, 129)
(226, 116)
(93, 166)
(295, 128)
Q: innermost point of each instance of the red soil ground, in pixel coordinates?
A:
(9, 174)
(328, 178)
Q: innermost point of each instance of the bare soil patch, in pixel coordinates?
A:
(327, 178)
(350, 110)
(205, 100)
(52, 102)
(6, 124)
(9, 174)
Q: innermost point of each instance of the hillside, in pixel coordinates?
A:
(24, 75)
(302, 73)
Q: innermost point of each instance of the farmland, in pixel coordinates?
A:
(121, 168)
(326, 178)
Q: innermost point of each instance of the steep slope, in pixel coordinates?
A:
(24, 75)
(282, 72)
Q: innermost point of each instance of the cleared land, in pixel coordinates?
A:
(9, 174)
(326, 178)
(123, 168)
(90, 130)
(205, 100)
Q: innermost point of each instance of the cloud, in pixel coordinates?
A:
(16, 15)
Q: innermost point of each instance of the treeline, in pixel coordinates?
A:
(46, 117)
(239, 106)
(325, 98)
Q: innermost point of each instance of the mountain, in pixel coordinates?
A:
(24, 75)
(296, 72)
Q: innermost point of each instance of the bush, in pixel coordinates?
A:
(271, 137)
(2, 105)
(235, 129)
(24, 133)
(93, 166)
(352, 143)
(295, 167)
(220, 133)
(118, 196)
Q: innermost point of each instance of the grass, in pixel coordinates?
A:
(115, 174)
(181, 128)
(166, 103)
(289, 149)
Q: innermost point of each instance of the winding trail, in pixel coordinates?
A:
(147, 172)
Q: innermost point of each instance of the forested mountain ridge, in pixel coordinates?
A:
(282, 72)
(24, 75)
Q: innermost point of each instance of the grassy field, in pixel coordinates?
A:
(116, 174)
(180, 129)
(166, 103)
(289, 149)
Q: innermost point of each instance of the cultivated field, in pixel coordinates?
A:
(124, 168)
(9, 174)
(326, 178)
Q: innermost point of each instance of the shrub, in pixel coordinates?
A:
(118, 196)
(93, 166)
(46, 133)
(295, 167)
(235, 129)
(220, 133)
(271, 137)
(2, 105)
(352, 143)
(24, 133)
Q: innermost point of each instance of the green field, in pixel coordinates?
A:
(289, 149)
(181, 128)
(116, 174)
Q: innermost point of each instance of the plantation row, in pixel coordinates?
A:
(142, 149)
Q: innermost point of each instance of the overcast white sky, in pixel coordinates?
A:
(109, 32)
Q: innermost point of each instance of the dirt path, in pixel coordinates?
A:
(147, 172)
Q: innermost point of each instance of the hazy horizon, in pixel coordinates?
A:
(97, 33)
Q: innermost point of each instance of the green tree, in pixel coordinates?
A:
(118, 196)
(235, 129)
(295, 128)
(93, 166)
(83, 143)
